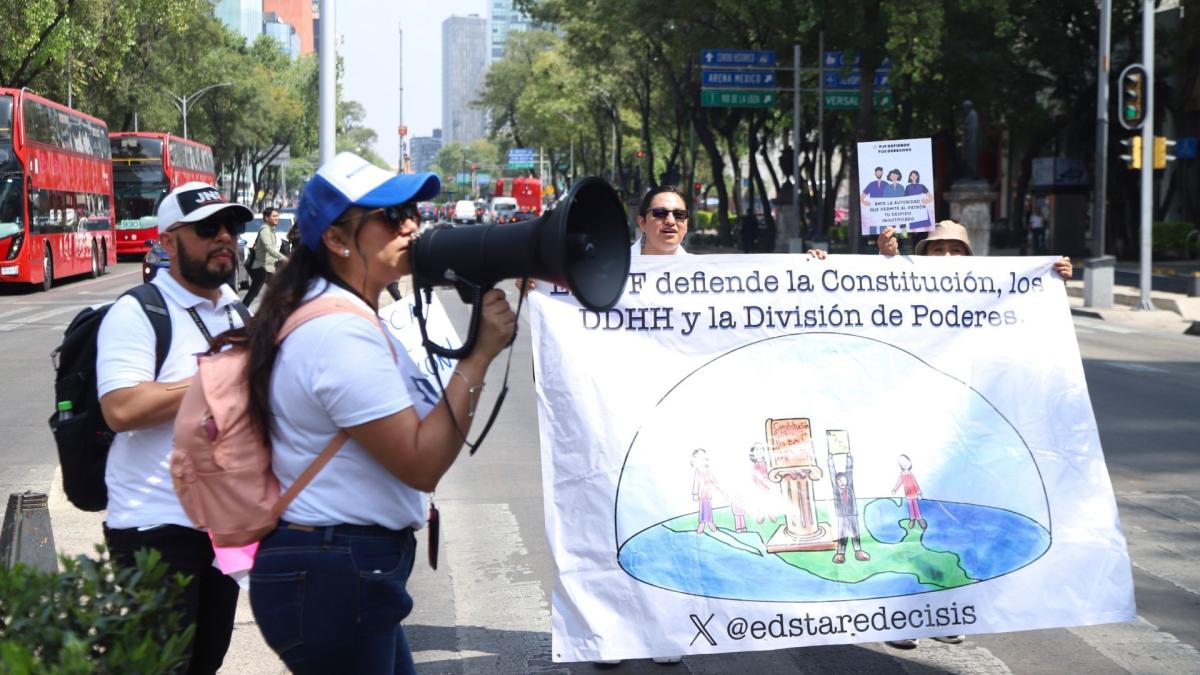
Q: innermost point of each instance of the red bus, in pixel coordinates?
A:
(146, 166)
(55, 191)
(527, 192)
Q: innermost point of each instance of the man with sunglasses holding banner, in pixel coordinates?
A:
(199, 230)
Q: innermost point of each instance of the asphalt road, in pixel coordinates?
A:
(486, 610)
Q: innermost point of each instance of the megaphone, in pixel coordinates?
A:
(583, 245)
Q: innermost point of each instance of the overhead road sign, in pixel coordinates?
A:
(844, 59)
(521, 158)
(764, 79)
(758, 58)
(729, 98)
(850, 100)
(835, 79)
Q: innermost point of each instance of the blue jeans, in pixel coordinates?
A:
(331, 599)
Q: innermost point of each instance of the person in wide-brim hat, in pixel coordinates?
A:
(947, 230)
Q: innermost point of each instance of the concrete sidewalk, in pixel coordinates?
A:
(1173, 312)
(78, 533)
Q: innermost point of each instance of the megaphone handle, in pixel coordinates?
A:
(472, 328)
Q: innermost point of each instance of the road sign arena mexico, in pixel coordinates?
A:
(763, 452)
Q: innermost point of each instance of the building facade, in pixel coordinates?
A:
(299, 15)
(283, 33)
(243, 16)
(503, 19)
(424, 150)
(464, 64)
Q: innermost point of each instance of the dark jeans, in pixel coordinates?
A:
(331, 599)
(209, 601)
(258, 278)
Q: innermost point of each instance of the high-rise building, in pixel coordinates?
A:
(283, 33)
(425, 149)
(464, 63)
(503, 19)
(299, 15)
(243, 16)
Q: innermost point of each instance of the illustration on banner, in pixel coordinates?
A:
(836, 467)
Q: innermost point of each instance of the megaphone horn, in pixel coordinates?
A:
(583, 245)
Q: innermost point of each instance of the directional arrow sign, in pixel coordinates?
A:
(839, 59)
(738, 57)
(727, 98)
(849, 100)
(764, 79)
(835, 79)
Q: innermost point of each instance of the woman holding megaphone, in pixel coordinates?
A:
(328, 587)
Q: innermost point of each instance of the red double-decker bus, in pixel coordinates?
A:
(55, 191)
(527, 192)
(146, 166)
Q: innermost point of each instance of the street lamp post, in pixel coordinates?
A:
(181, 102)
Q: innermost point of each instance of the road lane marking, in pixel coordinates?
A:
(1092, 324)
(1134, 367)
(24, 321)
(1139, 647)
(496, 596)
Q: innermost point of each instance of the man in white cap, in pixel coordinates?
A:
(140, 386)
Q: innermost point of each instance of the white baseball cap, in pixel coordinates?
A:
(195, 201)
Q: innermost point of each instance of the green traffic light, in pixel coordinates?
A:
(1131, 112)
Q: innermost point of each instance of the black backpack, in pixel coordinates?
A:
(84, 438)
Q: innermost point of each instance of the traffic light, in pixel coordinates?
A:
(1132, 99)
(1133, 160)
(1161, 143)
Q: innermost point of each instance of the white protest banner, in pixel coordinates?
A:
(896, 179)
(762, 452)
(400, 319)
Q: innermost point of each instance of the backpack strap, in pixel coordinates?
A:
(307, 312)
(153, 303)
(242, 311)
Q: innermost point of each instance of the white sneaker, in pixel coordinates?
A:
(667, 660)
(906, 643)
(951, 639)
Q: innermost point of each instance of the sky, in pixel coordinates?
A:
(370, 58)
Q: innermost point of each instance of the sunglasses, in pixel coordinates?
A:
(395, 216)
(661, 213)
(208, 229)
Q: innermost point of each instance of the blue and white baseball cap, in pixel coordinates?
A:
(349, 180)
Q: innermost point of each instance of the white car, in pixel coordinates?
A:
(503, 209)
(464, 212)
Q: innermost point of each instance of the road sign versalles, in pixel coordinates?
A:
(726, 98)
(738, 78)
(737, 57)
(835, 79)
(849, 100)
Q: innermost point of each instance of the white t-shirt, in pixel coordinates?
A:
(140, 493)
(636, 249)
(335, 372)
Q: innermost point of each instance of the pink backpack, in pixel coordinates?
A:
(220, 467)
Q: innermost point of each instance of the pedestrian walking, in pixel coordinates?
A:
(329, 584)
(267, 255)
(199, 231)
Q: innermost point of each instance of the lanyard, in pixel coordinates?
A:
(203, 328)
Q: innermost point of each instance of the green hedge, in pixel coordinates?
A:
(705, 220)
(1170, 239)
(92, 617)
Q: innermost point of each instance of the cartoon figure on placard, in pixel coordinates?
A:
(913, 188)
(763, 490)
(844, 502)
(703, 487)
(874, 189)
(893, 189)
(912, 492)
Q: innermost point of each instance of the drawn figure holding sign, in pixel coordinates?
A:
(874, 189)
(844, 502)
(893, 188)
